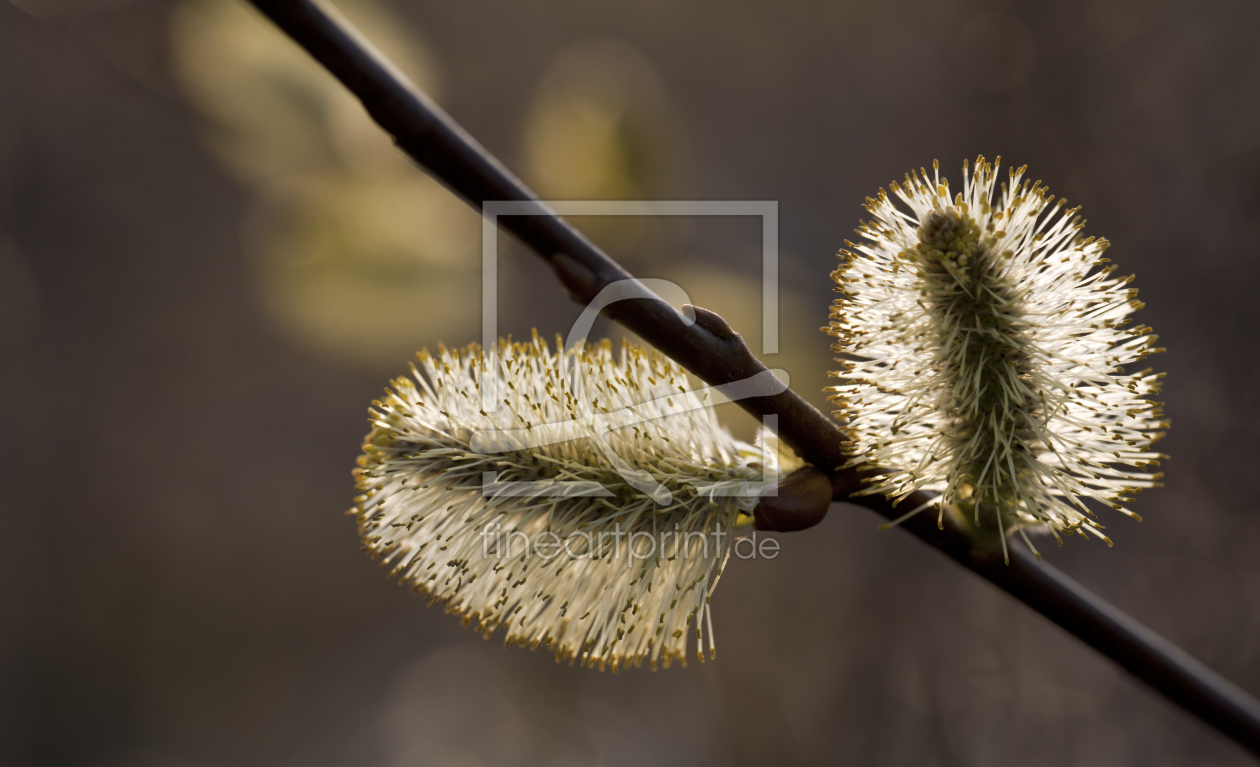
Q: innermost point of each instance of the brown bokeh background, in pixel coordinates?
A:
(209, 265)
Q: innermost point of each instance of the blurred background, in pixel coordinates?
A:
(210, 263)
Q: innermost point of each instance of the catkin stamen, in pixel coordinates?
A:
(985, 356)
(578, 529)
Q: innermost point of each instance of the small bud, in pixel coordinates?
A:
(798, 502)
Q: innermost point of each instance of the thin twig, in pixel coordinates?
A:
(712, 351)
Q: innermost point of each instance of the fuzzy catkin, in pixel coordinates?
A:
(625, 428)
(986, 342)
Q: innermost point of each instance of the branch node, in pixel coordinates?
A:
(581, 283)
(712, 322)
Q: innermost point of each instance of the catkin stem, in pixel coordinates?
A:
(712, 352)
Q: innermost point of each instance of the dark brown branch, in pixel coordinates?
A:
(1133, 646)
(710, 350)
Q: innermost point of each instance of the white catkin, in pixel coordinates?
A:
(984, 344)
(668, 470)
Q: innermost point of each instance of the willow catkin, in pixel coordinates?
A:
(579, 500)
(986, 342)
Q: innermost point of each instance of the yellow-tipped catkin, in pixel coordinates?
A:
(579, 500)
(985, 345)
